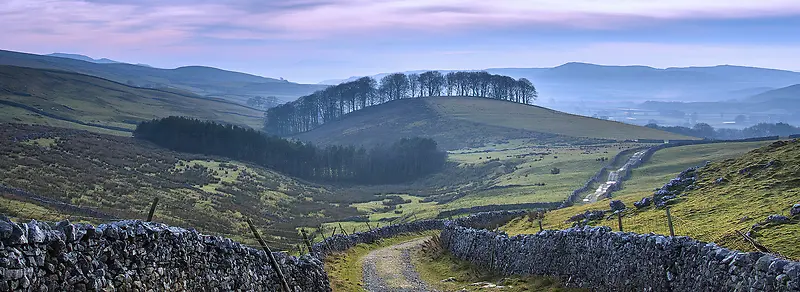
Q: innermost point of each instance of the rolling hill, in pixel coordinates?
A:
(83, 58)
(80, 101)
(207, 81)
(457, 122)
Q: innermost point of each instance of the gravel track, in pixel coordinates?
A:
(390, 269)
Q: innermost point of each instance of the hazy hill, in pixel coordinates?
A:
(456, 122)
(574, 82)
(83, 58)
(785, 94)
(38, 96)
(234, 86)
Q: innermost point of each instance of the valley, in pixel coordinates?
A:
(414, 182)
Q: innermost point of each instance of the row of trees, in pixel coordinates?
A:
(703, 130)
(330, 104)
(401, 161)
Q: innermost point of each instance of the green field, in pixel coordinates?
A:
(511, 173)
(71, 98)
(466, 122)
(713, 211)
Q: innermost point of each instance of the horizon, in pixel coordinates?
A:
(310, 41)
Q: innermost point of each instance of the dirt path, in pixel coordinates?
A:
(390, 269)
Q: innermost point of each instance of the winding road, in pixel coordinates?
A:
(390, 269)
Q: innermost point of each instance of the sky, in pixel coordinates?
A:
(309, 41)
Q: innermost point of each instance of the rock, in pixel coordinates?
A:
(35, 232)
(720, 180)
(778, 219)
(795, 211)
(451, 279)
(617, 205)
(643, 203)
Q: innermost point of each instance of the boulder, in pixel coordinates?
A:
(776, 218)
(616, 205)
(795, 211)
(643, 203)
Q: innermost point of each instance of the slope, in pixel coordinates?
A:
(209, 81)
(55, 173)
(458, 122)
(728, 195)
(91, 101)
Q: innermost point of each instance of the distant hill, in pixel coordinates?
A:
(75, 100)
(785, 94)
(207, 81)
(573, 82)
(457, 122)
(83, 58)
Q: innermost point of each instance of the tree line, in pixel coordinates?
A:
(330, 104)
(703, 130)
(401, 161)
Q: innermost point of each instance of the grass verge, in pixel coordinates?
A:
(439, 268)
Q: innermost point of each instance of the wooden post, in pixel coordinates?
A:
(342, 229)
(619, 220)
(369, 227)
(334, 231)
(354, 230)
(152, 210)
(540, 225)
(272, 261)
(378, 226)
(669, 221)
(415, 216)
(305, 240)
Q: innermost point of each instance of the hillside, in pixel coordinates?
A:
(728, 195)
(80, 101)
(234, 86)
(104, 177)
(458, 122)
(789, 94)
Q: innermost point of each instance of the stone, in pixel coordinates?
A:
(643, 203)
(616, 205)
(795, 211)
(778, 219)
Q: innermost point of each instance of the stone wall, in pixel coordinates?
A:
(603, 260)
(341, 242)
(137, 256)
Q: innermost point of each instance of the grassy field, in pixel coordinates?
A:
(120, 176)
(712, 212)
(98, 101)
(539, 119)
(513, 173)
(463, 122)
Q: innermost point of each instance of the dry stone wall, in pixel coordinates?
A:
(603, 260)
(340, 242)
(140, 256)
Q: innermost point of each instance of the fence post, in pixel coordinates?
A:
(669, 221)
(152, 209)
(342, 229)
(305, 239)
(369, 227)
(334, 231)
(619, 220)
(272, 261)
(540, 225)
